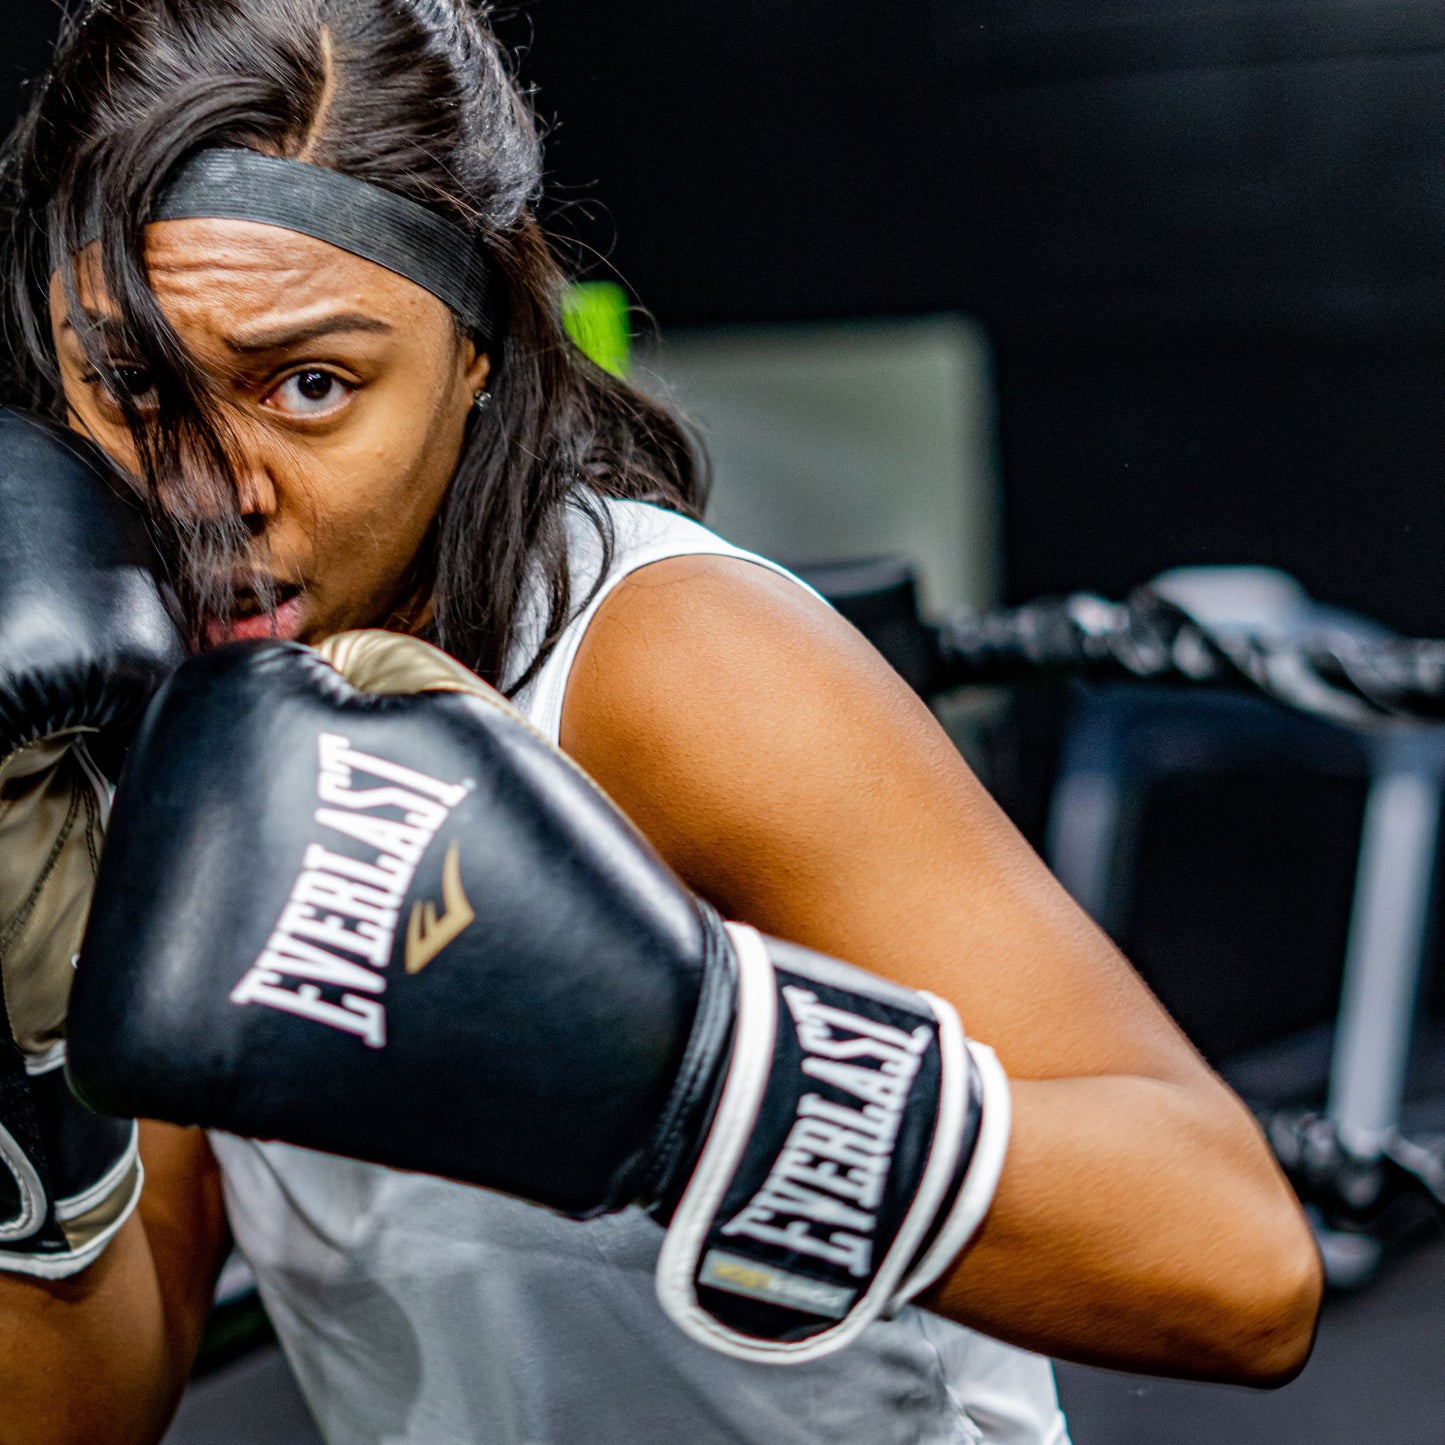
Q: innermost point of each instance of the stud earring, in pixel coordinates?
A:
(482, 400)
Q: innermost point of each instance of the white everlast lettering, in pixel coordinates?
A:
(784, 1195)
(852, 1251)
(822, 1148)
(363, 1017)
(289, 955)
(869, 1121)
(365, 938)
(339, 759)
(871, 1085)
(397, 841)
(342, 905)
(386, 873)
(822, 1195)
(345, 896)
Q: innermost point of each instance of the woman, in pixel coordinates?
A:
(335, 446)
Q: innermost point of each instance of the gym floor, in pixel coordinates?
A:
(1375, 1379)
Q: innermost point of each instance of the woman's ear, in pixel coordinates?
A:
(478, 366)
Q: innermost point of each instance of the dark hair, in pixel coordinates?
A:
(411, 95)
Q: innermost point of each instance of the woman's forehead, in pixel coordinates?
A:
(232, 276)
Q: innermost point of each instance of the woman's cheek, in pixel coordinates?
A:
(115, 441)
(374, 523)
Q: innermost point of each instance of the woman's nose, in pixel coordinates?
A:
(256, 498)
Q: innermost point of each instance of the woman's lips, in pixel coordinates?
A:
(284, 625)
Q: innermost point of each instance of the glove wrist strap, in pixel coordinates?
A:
(69, 1179)
(978, 1178)
(850, 1108)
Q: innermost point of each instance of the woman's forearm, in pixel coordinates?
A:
(87, 1358)
(105, 1354)
(1142, 1225)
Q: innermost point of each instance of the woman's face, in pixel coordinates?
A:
(348, 391)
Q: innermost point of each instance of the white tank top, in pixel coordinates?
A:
(419, 1312)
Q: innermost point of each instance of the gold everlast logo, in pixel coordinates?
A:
(426, 934)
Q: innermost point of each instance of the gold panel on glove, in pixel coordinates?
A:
(53, 808)
(392, 662)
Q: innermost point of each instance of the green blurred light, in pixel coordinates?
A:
(597, 316)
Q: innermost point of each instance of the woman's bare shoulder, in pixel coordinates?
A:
(703, 676)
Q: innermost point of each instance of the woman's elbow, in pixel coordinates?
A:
(1252, 1281)
(1266, 1281)
(1276, 1308)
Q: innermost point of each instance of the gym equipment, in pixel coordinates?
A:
(1253, 632)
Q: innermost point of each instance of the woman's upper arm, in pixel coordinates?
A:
(789, 776)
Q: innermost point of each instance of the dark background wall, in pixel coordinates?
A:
(1207, 240)
(30, 27)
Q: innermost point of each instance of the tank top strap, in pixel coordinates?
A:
(643, 534)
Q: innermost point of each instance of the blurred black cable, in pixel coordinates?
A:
(1147, 638)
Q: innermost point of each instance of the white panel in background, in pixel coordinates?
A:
(849, 440)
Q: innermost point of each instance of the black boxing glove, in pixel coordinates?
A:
(85, 639)
(360, 905)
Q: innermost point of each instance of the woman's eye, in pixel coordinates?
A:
(309, 393)
(132, 382)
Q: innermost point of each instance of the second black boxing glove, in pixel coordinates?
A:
(366, 908)
(85, 639)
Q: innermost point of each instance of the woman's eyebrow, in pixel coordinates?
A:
(94, 323)
(250, 343)
(283, 338)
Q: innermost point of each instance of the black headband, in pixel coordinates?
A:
(242, 185)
